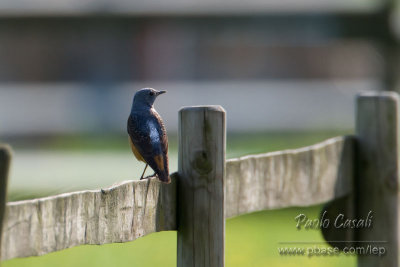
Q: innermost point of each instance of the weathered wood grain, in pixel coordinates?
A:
(201, 168)
(120, 213)
(298, 177)
(5, 158)
(378, 176)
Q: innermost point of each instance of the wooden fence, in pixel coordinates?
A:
(352, 174)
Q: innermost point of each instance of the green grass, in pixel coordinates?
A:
(251, 240)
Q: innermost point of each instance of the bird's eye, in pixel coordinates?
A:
(151, 93)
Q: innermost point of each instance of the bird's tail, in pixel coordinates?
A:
(164, 177)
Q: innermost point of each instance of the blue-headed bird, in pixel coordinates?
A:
(147, 134)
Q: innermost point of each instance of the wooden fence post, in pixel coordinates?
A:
(201, 169)
(377, 177)
(5, 157)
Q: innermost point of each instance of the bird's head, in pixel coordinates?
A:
(145, 97)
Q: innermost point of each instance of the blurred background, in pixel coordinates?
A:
(286, 72)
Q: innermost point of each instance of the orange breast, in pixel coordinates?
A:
(135, 151)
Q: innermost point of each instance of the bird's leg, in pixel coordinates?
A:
(149, 176)
(144, 171)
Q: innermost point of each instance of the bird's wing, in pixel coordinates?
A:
(164, 147)
(148, 135)
(162, 132)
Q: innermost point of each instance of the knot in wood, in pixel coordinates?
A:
(201, 162)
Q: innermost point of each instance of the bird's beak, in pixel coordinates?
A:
(161, 92)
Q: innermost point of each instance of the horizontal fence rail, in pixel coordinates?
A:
(297, 177)
(120, 213)
(132, 209)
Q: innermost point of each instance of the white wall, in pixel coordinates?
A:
(261, 105)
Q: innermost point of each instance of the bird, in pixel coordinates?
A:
(147, 134)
